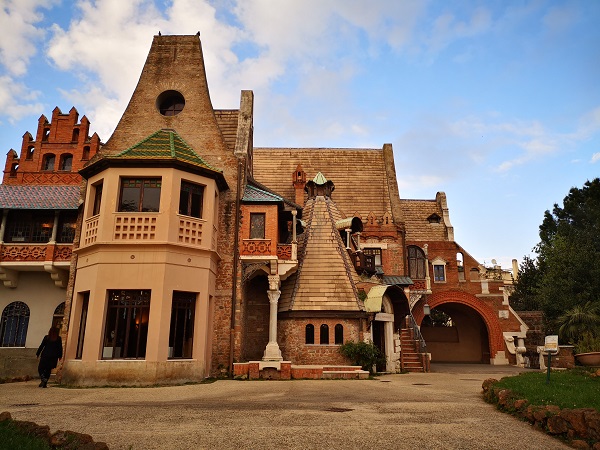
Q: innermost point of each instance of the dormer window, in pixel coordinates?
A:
(434, 218)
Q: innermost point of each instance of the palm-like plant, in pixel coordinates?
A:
(579, 321)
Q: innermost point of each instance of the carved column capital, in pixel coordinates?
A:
(274, 282)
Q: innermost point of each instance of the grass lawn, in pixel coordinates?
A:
(567, 389)
(11, 438)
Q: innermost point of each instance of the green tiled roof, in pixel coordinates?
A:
(254, 194)
(163, 144)
(397, 280)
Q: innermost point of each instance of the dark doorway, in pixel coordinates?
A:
(379, 342)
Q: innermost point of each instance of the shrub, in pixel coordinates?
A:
(364, 354)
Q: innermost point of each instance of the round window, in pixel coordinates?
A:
(170, 103)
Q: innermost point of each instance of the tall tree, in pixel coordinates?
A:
(566, 272)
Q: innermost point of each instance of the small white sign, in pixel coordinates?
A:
(551, 344)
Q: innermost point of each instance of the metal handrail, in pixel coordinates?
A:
(417, 333)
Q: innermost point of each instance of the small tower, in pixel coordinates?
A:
(299, 181)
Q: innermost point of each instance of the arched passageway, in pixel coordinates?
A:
(463, 338)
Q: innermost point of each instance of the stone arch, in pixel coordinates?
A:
(487, 314)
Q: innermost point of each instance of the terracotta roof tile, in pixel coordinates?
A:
(326, 279)
(39, 197)
(359, 175)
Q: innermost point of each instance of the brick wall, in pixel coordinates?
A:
(291, 338)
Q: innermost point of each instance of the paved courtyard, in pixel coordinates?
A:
(439, 410)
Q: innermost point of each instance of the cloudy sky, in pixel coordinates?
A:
(495, 103)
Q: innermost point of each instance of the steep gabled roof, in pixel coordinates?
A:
(39, 197)
(326, 279)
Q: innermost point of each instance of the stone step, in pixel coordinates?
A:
(345, 374)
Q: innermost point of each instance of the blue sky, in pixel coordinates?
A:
(495, 103)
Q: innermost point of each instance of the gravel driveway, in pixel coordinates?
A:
(438, 410)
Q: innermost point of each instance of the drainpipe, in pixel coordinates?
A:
(236, 254)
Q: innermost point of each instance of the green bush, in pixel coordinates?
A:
(364, 354)
(588, 343)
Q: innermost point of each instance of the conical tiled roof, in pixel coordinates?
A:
(163, 144)
(326, 279)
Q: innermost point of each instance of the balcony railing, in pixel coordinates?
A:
(256, 247)
(284, 251)
(36, 252)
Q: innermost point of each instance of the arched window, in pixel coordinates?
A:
(339, 334)
(48, 162)
(13, 325)
(86, 152)
(29, 154)
(66, 162)
(416, 262)
(324, 339)
(59, 314)
(310, 334)
(13, 170)
(75, 137)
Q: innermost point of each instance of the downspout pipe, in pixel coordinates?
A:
(236, 257)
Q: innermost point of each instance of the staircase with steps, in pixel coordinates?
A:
(412, 359)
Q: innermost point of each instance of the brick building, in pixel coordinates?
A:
(196, 251)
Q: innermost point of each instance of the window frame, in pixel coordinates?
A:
(49, 162)
(141, 184)
(375, 252)
(258, 230)
(98, 188)
(416, 263)
(324, 334)
(63, 163)
(17, 328)
(439, 273)
(309, 334)
(338, 334)
(187, 189)
(128, 301)
(182, 302)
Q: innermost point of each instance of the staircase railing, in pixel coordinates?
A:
(412, 323)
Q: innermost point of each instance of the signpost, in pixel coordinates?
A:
(550, 347)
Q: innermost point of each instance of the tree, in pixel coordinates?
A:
(566, 272)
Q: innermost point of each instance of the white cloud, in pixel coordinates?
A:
(18, 19)
(595, 158)
(18, 99)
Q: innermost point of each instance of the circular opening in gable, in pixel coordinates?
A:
(170, 103)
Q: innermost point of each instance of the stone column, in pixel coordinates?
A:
(427, 278)
(294, 237)
(54, 228)
(3, 225)
(272, 352)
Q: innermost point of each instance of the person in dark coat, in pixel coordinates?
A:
(49, 352)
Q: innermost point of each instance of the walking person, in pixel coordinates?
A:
(49, 352)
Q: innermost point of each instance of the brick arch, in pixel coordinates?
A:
(488, 315)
